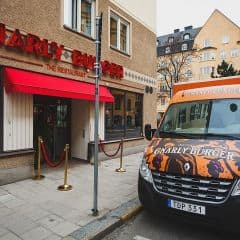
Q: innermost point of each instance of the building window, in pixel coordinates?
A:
(184, 47)
(234, 52)
(207, 56)
(167, 50)
(125, 120)
(163, 101)
(223, 54)
(189, 73)
(119, 33)
(170, 40)
(206, 43)
(186, 36)
(205, 70)
(80, 16)
(189, 59)
(225, 39)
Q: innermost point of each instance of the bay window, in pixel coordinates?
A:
(123, 118)
(119, 33)
(79, 15)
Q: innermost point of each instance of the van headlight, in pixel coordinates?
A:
(236, 189)
(145, 171)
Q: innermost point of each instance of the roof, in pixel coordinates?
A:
(178, 38)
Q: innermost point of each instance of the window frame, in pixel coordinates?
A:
(206, 43)
(120, 20)
(125, 127)
(184, 47)
(186, 35)
(223, 54)
(73, 21)
(225, 39)
(234, 52)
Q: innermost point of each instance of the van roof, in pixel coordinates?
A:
(206, 93)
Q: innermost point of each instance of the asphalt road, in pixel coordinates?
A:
(148, 227)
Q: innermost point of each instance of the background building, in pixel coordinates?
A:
(204, 48)
(47, 85)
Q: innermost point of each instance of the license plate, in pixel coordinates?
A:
(187, 207)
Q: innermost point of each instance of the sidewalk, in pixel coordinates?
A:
(36, 210)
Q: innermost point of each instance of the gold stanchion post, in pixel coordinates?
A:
(38, 176)
(65, 186)
(121, 169)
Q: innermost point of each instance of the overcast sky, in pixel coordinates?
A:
(172, 14)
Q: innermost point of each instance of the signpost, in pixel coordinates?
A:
(97, 66)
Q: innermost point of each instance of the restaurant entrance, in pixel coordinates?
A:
(51, 121)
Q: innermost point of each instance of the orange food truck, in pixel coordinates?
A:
(191, 167)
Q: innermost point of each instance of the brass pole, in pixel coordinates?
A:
(65, 186)
(121, 169)
(38, 176)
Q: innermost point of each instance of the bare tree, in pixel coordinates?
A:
(174, 64)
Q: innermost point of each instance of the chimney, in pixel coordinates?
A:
(188, 27)
(176, 30)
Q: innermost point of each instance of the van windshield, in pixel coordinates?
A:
(207, 118)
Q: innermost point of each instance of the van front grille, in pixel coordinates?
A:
(193, 188)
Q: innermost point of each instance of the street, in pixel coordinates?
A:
(148, 227)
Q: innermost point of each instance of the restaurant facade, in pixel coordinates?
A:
(47, 56)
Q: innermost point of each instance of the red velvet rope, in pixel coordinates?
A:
(49, 163)
(109, 155)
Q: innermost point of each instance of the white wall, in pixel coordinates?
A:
(143, 10)
(18, 121)
(80, 128)
(101, 121)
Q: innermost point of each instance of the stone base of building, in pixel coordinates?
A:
(16, 168)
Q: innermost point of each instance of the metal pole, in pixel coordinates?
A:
(38, 176)
(65, 186)
(121, 169)
(96, 123)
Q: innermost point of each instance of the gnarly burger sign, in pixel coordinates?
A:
(32, 44)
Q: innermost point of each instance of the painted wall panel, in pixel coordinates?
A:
(80, 128)
(18, 121)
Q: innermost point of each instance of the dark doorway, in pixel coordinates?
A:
(52, 118)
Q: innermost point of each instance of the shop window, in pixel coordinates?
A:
(119, 33)
(123, 118)
(79, 15)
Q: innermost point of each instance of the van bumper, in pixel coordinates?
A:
(225, 215)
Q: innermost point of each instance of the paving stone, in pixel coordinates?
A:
(14, 203)
(50, 221)
(6, 197)
(64, 228)
(3, 230)
(21, 226)
(10, 236)
(53, 237)
(5, 211)
(38, 233)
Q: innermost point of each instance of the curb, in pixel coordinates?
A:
(99, 228)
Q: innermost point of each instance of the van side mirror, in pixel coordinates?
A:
(148, 131)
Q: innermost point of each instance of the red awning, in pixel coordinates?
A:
(35, 83)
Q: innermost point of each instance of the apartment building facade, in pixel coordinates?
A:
(215, 41)
(47, 55)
